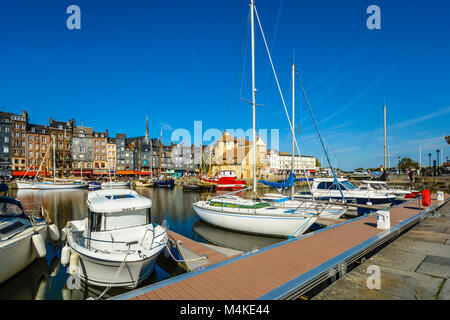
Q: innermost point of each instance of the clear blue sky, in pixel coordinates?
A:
(181, 61)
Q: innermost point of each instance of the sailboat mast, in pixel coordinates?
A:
(293, 121)
(252, 9)
(384, 108)
(54, 156)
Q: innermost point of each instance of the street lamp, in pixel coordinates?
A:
(437, 156)
(429, 159)
(399, 164)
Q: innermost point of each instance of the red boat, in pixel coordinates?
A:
(226, 180)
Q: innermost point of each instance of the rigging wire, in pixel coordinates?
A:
(318, 132)
(279, 89)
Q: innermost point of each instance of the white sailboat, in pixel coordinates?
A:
(323, 210)
(252, 215)
(62, 184)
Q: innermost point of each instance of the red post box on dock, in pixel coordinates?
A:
(426, 198)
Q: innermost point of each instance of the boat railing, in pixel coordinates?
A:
(116, 246)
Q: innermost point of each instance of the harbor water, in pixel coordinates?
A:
(47, 279)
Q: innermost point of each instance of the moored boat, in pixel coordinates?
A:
(116, 245)
(115, 184)
(22, 238)
(253, 216)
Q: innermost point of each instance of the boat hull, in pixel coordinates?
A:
(101, 272)
(115, 185)
(54, 186)
(25, 185)
(278, 226)
(16, 254)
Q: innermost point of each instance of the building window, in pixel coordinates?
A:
(6, 139)
(5, 149)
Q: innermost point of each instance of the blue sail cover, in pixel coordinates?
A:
(288, 183)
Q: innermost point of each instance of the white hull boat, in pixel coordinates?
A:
(254, 217)
(116, 245)
(59, 185)
(17, 247)
(326, 189)
(22, 184)
(116, 184)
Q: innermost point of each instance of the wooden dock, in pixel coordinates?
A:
(290, 268)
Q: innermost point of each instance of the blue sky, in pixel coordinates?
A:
(182, 61)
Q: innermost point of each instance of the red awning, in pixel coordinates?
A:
(78, 172)
(21, 173)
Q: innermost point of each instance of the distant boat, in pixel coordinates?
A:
(116, 184)
(326, 189)
(169, 183)
(226, 180)
(94, 185)
(59, 185)
(382, 186)
(23, 184)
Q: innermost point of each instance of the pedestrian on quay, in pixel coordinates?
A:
(410, 174)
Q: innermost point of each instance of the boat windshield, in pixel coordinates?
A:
(348, 185)
(11, 208)
(119, 220)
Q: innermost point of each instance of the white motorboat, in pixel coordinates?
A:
(117, 244)
(116, 184)
(382, 186)
(327, 189)
(253, 216)
(22, 238)
(325, 210)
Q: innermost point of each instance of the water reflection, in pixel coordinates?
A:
(231, 239)
(47, 278)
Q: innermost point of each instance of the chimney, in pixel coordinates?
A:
(107, 133)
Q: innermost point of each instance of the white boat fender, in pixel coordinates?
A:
(66, 293)
(40, 294)
(54, 267)
(73, 265)
(368, 203)
(63, 236)
(65, 255)
(53, 232)
(39, 245)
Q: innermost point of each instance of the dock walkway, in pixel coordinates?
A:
(289, 268)
(416, 266)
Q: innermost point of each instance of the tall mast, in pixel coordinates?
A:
(160, 144)
(54, 156)
(384, 108)
(293, 121)
(64, 151)
(252, 9)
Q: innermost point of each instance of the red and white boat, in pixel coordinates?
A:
(226, 180)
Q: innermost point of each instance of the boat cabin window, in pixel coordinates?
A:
(119, 220)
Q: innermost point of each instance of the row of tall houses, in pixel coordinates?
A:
(67, 149)
(63, 148)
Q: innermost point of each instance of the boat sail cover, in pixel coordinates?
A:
(288, 183)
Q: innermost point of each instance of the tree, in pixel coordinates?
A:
(407, 163)
(318, 165)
